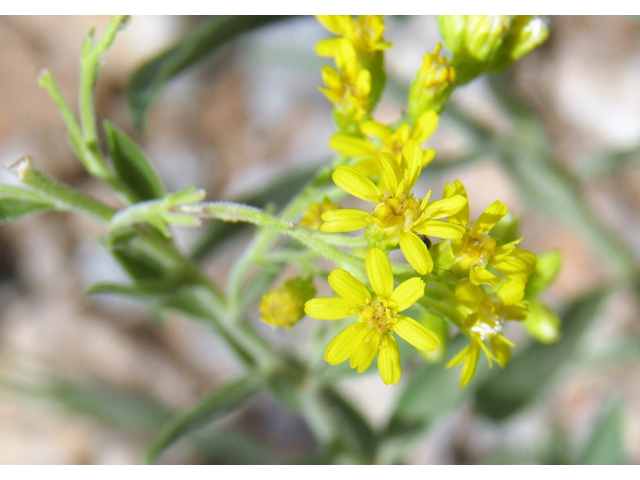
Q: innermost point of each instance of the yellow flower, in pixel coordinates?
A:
(378, 318)
(485, 319)
(477, 250)
(389, 140)
(432, 85)
(349, 88)
(365, 34)
(284, 306)
(312, 216)
(398, 216)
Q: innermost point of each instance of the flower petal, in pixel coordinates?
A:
(407, 293)
(352, 146)
(479, 275)
(438, 228)
(417, 335)
(336, 24)
(390, 171)
(379, 273)
(389, 360)
(345, 220)
(365, 351)
(462, 217)
(412, 159)
(468, 294)
(470, 365)
(488, 219)
(348, 287)
(425, 126)
(330, 308)
(355, 183)
(377, 130)
(341, 347)
(328, 47)
(416, 252)
(501, 349)
(444, 207)
(511, 292)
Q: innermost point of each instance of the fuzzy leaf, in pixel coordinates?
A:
(133, 166)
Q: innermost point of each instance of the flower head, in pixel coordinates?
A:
(398, 216)
(378, 318)
(485, 317)
(476, 250)
(365, 33)
(349, 87)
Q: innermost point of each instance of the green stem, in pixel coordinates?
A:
(64, 198)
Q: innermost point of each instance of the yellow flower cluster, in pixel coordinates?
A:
(355, 86)
(476, 278)
(489, 278)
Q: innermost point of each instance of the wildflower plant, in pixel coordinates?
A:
(468, 285)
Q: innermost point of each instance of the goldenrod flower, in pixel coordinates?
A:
(485, 319)
(389, 140)
(398, 216)
(378, 318)
(477, 250)
(365, 34)
(349, 88)
(284, 306)
(432, 85)
(312, 215)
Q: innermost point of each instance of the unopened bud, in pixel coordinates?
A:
(284, 306)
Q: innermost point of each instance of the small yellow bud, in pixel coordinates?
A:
(284, 306)
(431, 87)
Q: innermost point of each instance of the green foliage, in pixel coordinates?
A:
(16, 202)
(223, 400)
(132, 165)
(605, 445)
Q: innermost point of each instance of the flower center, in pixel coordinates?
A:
(377, 315)
(397, 212)
(490, 320)
(476, 251)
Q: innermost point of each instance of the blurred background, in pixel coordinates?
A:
(90, 379)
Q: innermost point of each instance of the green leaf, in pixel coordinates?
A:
(222, 401)
(606, 444)
(118, 408)
(148, 81)
(355, 428)
(530, 371)
(231, 447)
(16, 202)
(132, 166)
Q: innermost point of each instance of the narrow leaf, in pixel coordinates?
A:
(222, 401)
(606, 444)
(133, 166)
(16, 202)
